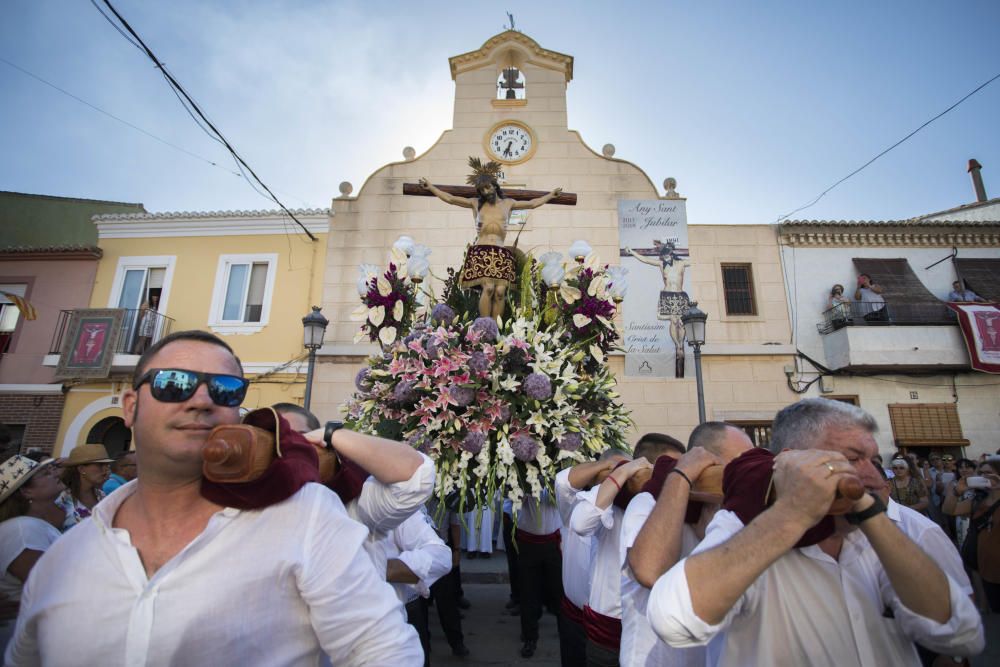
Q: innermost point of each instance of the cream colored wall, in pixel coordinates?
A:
(297, 284)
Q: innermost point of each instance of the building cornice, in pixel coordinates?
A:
(210, 223)
(486, 55)
(905, 233)
(49, 253)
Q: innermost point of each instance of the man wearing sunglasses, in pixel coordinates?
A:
(164, 576)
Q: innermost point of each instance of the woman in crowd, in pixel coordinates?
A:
(84, 473)
(30, 521)
(905, 487)
(979, 507)
(964, 469)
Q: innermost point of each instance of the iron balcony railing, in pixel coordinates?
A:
(859, 313)
(136, 331)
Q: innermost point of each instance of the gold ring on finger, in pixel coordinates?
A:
(829, 466)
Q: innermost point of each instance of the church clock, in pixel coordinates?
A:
(510, 142)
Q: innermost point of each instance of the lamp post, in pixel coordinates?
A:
(694, 332)
(313, 328)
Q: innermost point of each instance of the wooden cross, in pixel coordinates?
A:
(654, 251)
(470, 192)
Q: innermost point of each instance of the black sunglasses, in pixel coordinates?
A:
(176, 385)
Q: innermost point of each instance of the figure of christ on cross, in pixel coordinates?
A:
(674, 301)
(488, 264)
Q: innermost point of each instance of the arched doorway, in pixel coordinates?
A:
(113, 434)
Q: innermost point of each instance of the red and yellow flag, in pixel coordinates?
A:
(27, 310)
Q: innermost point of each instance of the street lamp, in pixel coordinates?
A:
(313, 328)
(694, 331)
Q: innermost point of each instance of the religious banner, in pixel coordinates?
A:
(653, 237)
(88, 348)
(980, 324)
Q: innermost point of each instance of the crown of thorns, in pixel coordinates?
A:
(483, 173)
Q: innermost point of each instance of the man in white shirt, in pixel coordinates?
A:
(577, 556)
(539, 564)
(162, 576)
(416, 559)
(856, 597)
(597, 515)
(655, 535)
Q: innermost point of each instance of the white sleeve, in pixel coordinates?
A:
(423, 552)
(960, 635)
(586, 518)
(18, 535)
(942, 550)
(635, 517)
(670, 611)
(336, 574)
(382, 507)
(565, 495)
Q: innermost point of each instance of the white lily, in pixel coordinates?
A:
(592, 261)
(359, 314)
(596, 353)
(397, 311)
(376, 315)
(581, 320)
(569, 293)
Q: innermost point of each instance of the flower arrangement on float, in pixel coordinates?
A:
(500, 405)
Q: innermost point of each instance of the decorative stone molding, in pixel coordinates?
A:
(209, 223)
(486, 55)
(916, 233)
(22, 253)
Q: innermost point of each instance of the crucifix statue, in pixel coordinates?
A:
(674, 301)
(488, 264)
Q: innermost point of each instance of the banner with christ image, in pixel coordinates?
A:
(88, 346)
(980, 324)
(653, 239)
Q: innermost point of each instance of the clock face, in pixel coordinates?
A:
(511, 142)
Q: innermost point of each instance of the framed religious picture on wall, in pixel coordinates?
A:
(88, 348)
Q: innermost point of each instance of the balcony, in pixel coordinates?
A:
(131, 338)
(896, 338)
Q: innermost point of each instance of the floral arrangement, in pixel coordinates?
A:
(501, 406)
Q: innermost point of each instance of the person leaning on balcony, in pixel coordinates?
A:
(960, 294)
(906, 487)
(869, 293)
(147, 324)
(84, 473)
(838, 305)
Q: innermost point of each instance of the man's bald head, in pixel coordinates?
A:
(724, 440)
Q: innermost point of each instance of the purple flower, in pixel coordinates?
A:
(538, 386)
(362, 380)
(478, 362)
(525, 447)
(463, 395)
(433, 348)
(404, 393)
(473, 442)
(420, 441)
(570, 442)
(487, 327)
(442, 314)
(504, 413)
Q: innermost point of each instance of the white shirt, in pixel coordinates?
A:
(640, 646)
(809, 609)
(382, 507)
(278, 586)
(872, 297)
(928, 536)
(577, 551)
(16, 536)
(538, 517)
(605, 528)
(416, 543)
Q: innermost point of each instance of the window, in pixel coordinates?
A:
(141, 281)
(241, 303)
(9, 315)
(737, 284)
(926, 425)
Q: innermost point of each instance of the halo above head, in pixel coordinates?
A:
(483, 173)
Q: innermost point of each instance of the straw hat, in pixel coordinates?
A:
(83, 454)
(17, 470)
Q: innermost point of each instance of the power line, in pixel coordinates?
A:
(180, 89)
(114, 117)
(859, 169)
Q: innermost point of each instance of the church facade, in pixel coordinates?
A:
(510, 105)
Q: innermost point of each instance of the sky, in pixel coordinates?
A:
(754, 107)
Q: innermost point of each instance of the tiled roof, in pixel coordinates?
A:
(55, 249)
(912, 222)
